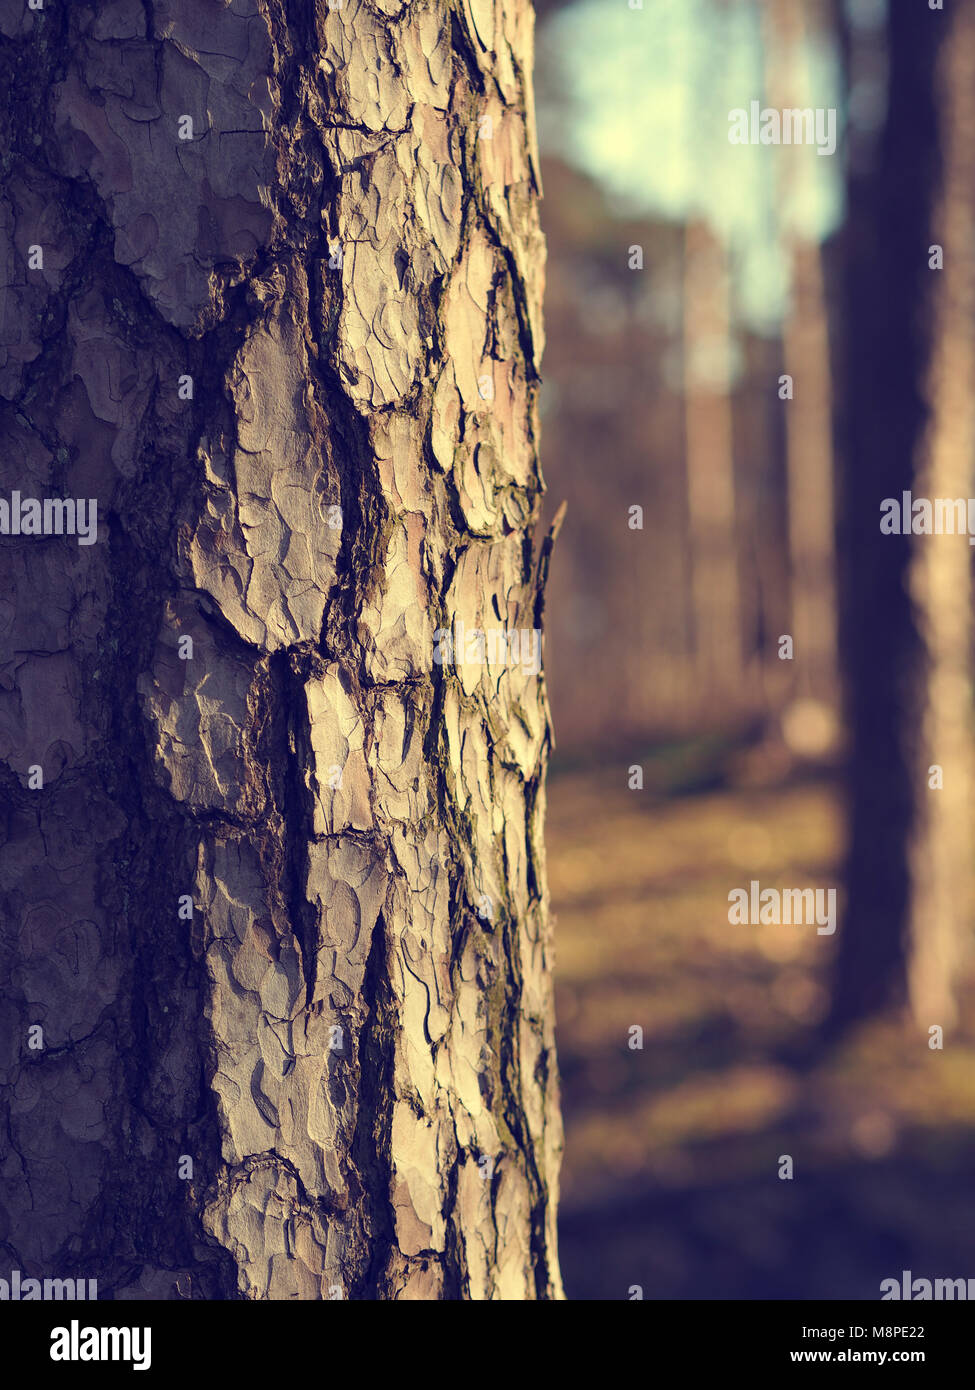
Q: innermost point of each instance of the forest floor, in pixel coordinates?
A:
(671, 1171)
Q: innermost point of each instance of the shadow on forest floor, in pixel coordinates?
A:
(670, 1177)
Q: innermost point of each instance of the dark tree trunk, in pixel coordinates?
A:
(888, 294)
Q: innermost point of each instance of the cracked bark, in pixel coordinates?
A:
(356, 1053)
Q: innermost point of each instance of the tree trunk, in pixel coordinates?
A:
(941, 567)
(808, 414)
(279, 905)
(709, 453)
(886, 346)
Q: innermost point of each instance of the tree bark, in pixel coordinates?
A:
(279, 905)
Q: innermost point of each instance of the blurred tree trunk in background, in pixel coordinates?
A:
(886, 341)
(280, 905)
(941, 566)
(709, 458)
(808, 416)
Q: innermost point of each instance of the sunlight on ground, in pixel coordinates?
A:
(640, 895)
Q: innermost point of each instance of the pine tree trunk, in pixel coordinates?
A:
(279, 905)
(808, 414)
(941, 568)
(888, 287)
(709, 452)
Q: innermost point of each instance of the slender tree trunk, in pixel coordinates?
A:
(709, 454)
(808, 415)
(941, 899)
(279, 905)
